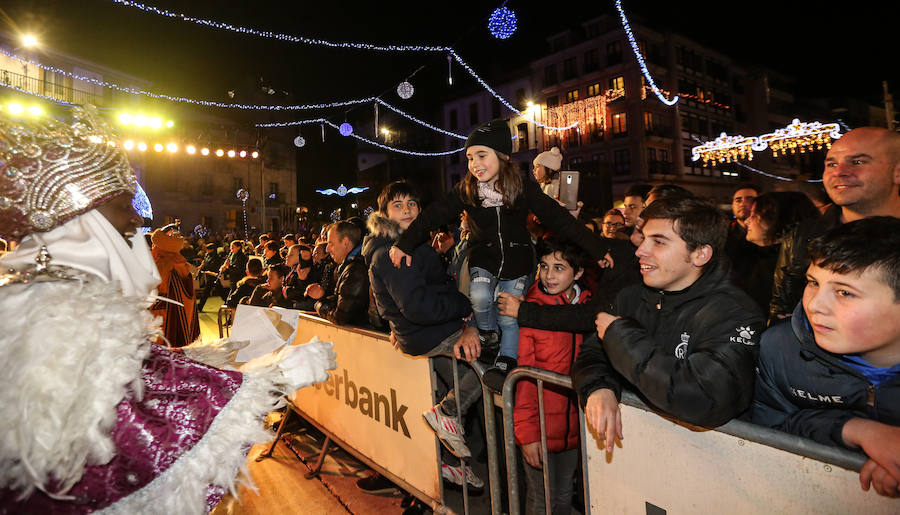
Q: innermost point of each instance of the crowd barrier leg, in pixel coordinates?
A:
(268, 454)
(464, 462)
(321, 459)
(490, 441)
(512, 476)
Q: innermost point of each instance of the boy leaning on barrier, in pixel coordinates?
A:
(560, 266)
(685, 340)
(832, 373)
(425, 311)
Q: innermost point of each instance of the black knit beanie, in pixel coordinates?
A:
(493, 134)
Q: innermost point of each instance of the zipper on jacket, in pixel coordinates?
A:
(500, 235)
(870, 395)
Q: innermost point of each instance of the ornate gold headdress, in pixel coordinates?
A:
(51, 172)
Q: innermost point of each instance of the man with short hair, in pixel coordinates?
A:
(635, 198)
(350, 301)
(862, 177)
(685, 340)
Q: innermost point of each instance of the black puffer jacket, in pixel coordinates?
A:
(420, 302)
(690, 354)
(350, 300)
(501, 245)
(805, 390)
(793, 260)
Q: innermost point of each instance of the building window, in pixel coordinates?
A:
(550, 75)
(236, 183)
(571, 96)
(593, 30)
(473, 114)
(570, 69)
(622, 162)
(593, 90)
(520, 98)
(206, 185)
(651, 154)
(454, 120)
(619, 125)
(613, 53)
(573, 137)
(591, 60)
(649, 122)
(617, 83)
(552, 101)
(273, 190)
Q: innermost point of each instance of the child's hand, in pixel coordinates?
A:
(509, 304)
(532, 454)
(397, 257)
(881, 443)
(606, 262)
(603, 414)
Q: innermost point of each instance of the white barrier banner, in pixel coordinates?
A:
(663, 467)
(374, 402)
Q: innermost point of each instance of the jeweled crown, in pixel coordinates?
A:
(51, 171)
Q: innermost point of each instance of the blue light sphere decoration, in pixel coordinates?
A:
(502, 23)
(346, 129)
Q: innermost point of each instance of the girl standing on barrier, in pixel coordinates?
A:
(497, 200)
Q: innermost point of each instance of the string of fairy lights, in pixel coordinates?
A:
(451, 53)
(346, 130)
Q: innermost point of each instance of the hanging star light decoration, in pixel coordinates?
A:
(502, 22)
(405, 90)
(299, 141)
(342, 190)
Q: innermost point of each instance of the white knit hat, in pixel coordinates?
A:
(551, 159)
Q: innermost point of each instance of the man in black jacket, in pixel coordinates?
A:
(862, 177)
(350, 300)
(686, 339)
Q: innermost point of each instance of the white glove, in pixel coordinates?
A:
(306, 364)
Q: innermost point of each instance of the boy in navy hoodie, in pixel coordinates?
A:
(832, 373)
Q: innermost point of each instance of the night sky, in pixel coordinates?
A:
(832, 52)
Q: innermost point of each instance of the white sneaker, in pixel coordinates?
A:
(448, 430)
(454, 475)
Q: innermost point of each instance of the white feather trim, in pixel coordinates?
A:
(71, 351)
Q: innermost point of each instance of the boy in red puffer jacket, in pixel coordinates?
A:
(559, 268)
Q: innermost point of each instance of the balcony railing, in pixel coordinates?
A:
(49, 89)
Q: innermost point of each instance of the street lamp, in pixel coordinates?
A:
(29, 40)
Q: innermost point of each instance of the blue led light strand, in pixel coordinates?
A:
(312, 41)
(420, 122)
(357, 136)
(207, 103)
(32, 93)
(502, 100)
(640, 58)
(279, 36)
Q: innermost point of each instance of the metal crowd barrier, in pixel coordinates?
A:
(831, 458)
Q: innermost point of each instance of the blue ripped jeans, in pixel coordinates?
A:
(483, 289)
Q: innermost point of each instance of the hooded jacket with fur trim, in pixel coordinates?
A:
(420, 302)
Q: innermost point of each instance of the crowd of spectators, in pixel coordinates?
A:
(676, 310)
